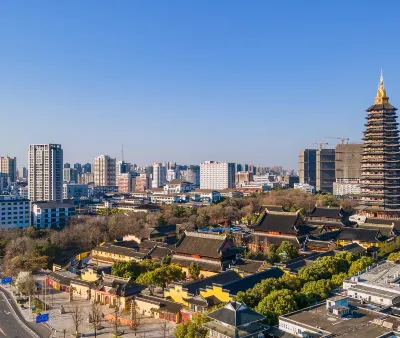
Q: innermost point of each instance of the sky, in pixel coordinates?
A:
(188, 81)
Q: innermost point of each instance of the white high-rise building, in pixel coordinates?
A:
(104, 170)
(159, 175)
(217, 175)
(45, 176)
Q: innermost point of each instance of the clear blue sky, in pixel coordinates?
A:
(245, 81)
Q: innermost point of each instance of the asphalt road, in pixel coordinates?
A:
(11, 327)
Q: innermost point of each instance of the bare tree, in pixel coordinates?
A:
(135, 317)
(163, 328)
(77, 318)
(96, 317)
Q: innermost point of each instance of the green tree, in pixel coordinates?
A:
(361, 264)
(277, 303)
(287, 250)
(394, 256)
(126, 269)
(151, 279)
(317, 289)
(337, 280)
(192, 328)
(194, 270)
(166, 260)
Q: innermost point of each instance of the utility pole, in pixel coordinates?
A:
(116, 320)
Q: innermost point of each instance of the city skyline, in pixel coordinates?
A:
(138, 72)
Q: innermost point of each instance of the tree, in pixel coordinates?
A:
(277, 303)
(96, 316)
(150, 279)
(163, 328)
(287, 250)
(166, 260)
(77, 318)
(126, 269)
(317, 289)
(194, 270)
(25, 283)
(394, 256)
(135, 317)
(337, 280)
(360, 264)
(192, 328)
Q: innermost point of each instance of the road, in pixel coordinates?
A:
(11, 327)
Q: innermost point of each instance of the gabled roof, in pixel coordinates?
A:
(283, 222)
(116, 249)
(203, 265)
(236, 314)
(164, 304)
(362, 235)
(384, 106)
(249, 281)
(395, 222)
(207, 245)
(384, 229)
(278, 208)
(178, 181)
(63, 277)
(326, 212)
(118, 285)
(193, 287)
(247, 265)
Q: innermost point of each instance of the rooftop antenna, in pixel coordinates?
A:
(122, 152)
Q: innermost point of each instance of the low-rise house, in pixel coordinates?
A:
(325, 214)
(205, 195)
(230, 193)
(162, 232)
(51, 214)
(115, 291)
(60, 280)
(82, 288)
(159, 308)
(118, 252)
(181, 292)
(206, 248)
(165, 199)
(225, 292)
(276, 227)
(235, 320)
(178, 186)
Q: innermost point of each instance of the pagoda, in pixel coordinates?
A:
(380, 183)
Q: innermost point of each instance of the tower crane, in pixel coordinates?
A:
(339, 138)
(323, 143)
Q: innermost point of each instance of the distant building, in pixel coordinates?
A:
(305, 187)
(243, 177)
(143, 183)
(4, 182)
(325, 170)
(172, 174)
(104, 170)
(217, 175)
(126, 182)
(86, 178)
(78, 167)
(178, 186)
(67, 165)
(159, 175)
(308, 166)
(291, 180)
(23, 173)
(74, 190)
(86, 168)
(70, 175)
(192, 175)
(122, 167)
(51, 214)
(205, 195)
(345, 187)
(348, 161)
(8, 165)
(45, 172)
(14, 212)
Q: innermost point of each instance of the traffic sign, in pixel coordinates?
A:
(42, 318)
(6, 280)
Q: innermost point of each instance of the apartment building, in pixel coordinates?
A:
(105, 170)
(159, 175)
(8, 165)
(51, 214)
(14, 212)
(217, 175)
(45, 175)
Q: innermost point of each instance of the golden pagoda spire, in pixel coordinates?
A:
(381, 96)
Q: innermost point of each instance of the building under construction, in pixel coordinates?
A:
(325, 173)
(308, 166)
(348, 161)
